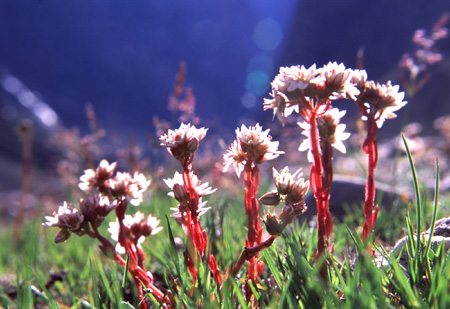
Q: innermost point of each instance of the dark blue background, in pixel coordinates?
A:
(123, 55)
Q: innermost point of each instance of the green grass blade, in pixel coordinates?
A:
(275, 272)
(96, 295)
(173, 248)
(419, 206)
(239, 295)
(435, 208)
(125, 271)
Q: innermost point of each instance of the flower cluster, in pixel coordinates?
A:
(121, 187)
(252, 145)
(94, 208)
(291, 189)
(294, 87)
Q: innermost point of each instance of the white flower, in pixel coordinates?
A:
(92, 179)
(336, 82)
(252, 145)
(178, 186)
(123, 186)
(183, 142)
(67, 217)
(330, 131)
(137, 227)
(380, 101)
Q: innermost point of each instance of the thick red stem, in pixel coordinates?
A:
(196, 235)
(327, 165)
(316, 182)
(371, 149)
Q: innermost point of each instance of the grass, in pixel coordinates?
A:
(291, 277)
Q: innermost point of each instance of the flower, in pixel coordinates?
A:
(283, 180)
(359, 78)
(290, 89)
(335, 82)
(292, 188)
(330, 131)
(94, 208)
(68, 219)
(278, 104)
(123, 186)
(251, 145)
(93, 179)
(183, 142)
(178, 186)
(235, 157)
(379, 102)
(136, 229)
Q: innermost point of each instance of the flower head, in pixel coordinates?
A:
(379, 102)
(334, 82)
(183, 142)
(251, 145)
(330, 131)
(290, 90)
(96, 179)
(95, 207)
(178, 186)
(68, 219)
(137, 227)
(291, 187)
(123, 186)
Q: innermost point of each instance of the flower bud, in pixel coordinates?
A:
(180, 193)
(192, 145)
(62, 236)
(270, 199)
(273, 225)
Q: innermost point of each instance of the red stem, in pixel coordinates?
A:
(138, 273)
(251, 252)
(316, 182)
(371, 149)
(196, 233)
(327, 165)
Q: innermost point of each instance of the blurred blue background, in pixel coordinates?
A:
(122, 56)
